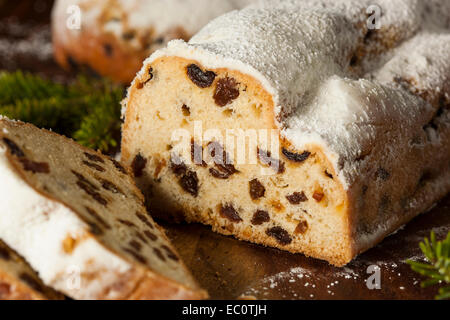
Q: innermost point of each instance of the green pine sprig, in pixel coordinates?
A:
(87, 110)
(437, 268)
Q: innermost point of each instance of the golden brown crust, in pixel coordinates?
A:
(120, 65)
(12, 289)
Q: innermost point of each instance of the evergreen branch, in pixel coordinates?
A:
(99, 128)
(437, 268)
(87, 110)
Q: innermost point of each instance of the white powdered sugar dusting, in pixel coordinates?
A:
(300, 52)
(22, 42)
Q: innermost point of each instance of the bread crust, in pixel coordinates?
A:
(11, 289)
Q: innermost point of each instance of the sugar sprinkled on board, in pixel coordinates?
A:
(23, 42)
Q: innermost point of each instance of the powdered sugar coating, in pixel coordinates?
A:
(301, 52)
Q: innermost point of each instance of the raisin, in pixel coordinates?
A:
(97, 217)
(118, 166)
(329, 175)
(97, 197)
(144, 220)
(150, 74)
(228, 212)
(94, 229)
(186, 110)
(129, 35)
(108, 185)
(265, 157)
(218, 174)
(369, 35)
(126, 223)
(148, 77)
(177, 166)
(197, 154)
(297, 197)
(73, 65)
(260, 217)
(296, 157)
(302, 227)
(188, 180)
(35, 167)
(364, 189)
(226, 91)
(136, 245)
(31, 281)
(94, 166)
(4, 254)
(257, 190)
(222, 162)
(426, 176)
(139, 163)
(82, 179)
(228, 169)
(281, 235)
(136, 255)
(318, 196)
(159, 254)
(189, 183)
(94, 157)
(200, 78)
(382, 174)
(94, 194)
(217, 152)
(150, 235)
(13, 148)
(159, 40)
(170, 253)
(141, 237)
(108, 49)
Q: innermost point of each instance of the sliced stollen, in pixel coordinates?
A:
(361, 116)
(18, 281)
(78, 219)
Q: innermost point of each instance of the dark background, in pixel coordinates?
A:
(25, 38)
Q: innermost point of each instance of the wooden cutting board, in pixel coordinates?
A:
(226, 267)
(229, 268)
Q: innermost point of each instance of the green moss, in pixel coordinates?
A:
(87, 110)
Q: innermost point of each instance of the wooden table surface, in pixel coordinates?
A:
(228, 268)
